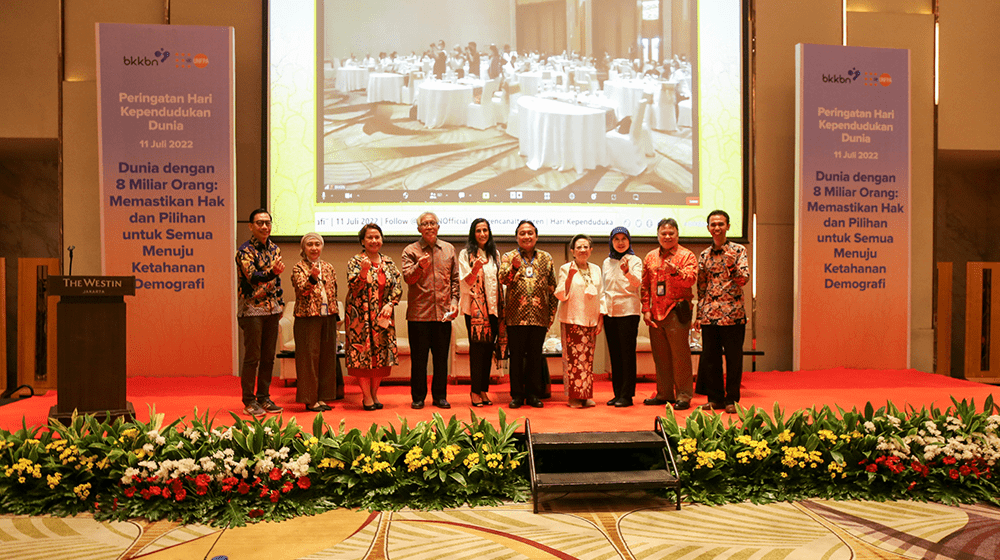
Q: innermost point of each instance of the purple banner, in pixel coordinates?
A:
(852, 285)
(167, 171)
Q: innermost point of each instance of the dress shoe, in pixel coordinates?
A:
(318, 407)
(475, 403)
(534, 402)
(378, 406)
(711, 406)
(682, 405)
(655, 402)
(613, 401)
(587, 403)
(731, 408)
(623, 402)
(516, 403)
(486, 398)
(575, 403)
(269, 406)
(441, 403)
(369, 407)
(417, 405)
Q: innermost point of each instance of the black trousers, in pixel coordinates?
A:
(433, 337)
(260, 336)
(481, 356)
(718, 341)
(525, 344)
(622, 334)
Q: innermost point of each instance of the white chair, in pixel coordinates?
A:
(410, 90)
(629, 153)
(663, 116)
(684, 113)
(505, 106)
(483, 115)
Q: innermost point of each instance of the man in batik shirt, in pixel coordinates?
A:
(722, 273)
(259, 266)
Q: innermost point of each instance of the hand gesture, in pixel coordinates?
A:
(424, 261)
(516, 261)
(624, 265)
(365, 267)
(730, 257)
(648, 318)
(315, 270)
(278, 267)
(478, 265)
(572, 272)
(696, 325)
(386, 311)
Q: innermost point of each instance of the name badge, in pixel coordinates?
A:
(529, 271)
(324, 309)
(661, 288)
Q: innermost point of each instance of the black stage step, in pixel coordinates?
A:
(575, 450)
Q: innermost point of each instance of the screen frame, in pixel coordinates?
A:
(747, 40)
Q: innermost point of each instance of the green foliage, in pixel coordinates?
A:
(881, 454)
(253, 470)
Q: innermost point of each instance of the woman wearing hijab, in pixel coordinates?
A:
(579, 290)
(622, 308)
(315, 327)
(482, 305)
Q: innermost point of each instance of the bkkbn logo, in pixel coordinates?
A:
(139, 61)
(834, 79)
(854, 73)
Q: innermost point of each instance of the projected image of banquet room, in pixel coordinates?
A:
(557, 100)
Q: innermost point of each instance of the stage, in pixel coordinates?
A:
(218, 396)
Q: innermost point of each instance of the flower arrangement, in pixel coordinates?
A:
(932, 455)
(268, 470)
(227, 475)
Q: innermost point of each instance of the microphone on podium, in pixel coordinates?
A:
(70, 249)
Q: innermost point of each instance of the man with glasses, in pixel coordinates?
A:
(259, 266)
(430, 268)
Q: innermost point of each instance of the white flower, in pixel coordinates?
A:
(869, 427)
(148, 448)
(298, 467)
(130, 474)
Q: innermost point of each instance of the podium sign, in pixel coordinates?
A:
(91, 357)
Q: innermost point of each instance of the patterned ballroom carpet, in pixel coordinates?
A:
(583, 527)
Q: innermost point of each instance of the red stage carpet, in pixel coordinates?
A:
(179, 396)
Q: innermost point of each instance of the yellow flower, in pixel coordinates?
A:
(54, 479)
(785, 436)
(82, 491)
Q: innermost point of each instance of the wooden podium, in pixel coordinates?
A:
(91, 327)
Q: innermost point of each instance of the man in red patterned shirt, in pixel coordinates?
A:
(667, 276)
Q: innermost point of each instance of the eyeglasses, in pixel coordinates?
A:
(428, 224)
(262, 223)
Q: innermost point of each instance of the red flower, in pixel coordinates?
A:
(243, 488)
(264, 492)
(176, 485)
(872, 468)
(255, 513)
(155, 490)
(949, 460)
(145, 493)
(275, 474)
(953, 474)
(166, 493)
(965, 470)
(304, 482)
(180, 495)
(287, 487)
(130, 491)
(274, 496)
(203, 480)
(912, 485)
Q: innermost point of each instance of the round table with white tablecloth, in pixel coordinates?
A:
(385, 87)
(443, 103)
(625, 95)
(561, 135)
(351, 78)
(531, 82)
